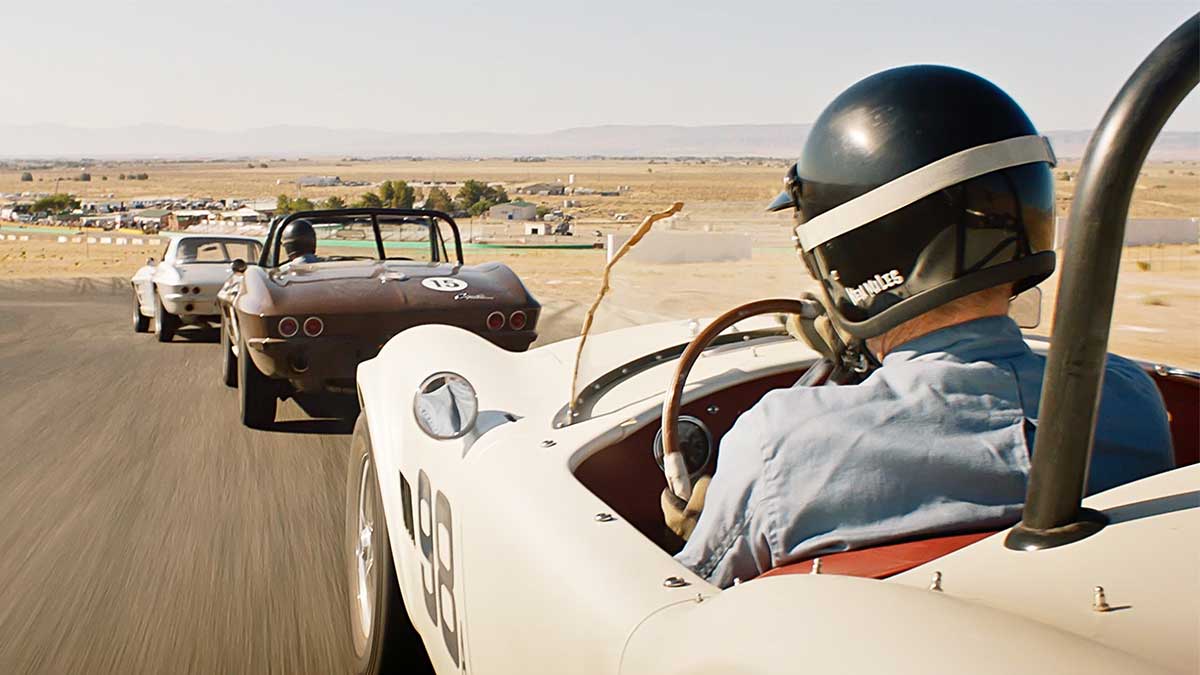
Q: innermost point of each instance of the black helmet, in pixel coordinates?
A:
(298, 238)
(917, 186)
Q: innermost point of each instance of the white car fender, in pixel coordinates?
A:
(529, 557)
(143, 288)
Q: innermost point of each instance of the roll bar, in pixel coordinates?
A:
(281, 221)
(1070, 401)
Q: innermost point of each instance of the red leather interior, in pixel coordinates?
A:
(626, 477)
(882, 562)
(1182, 396)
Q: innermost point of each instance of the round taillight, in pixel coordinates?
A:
(495, 321)
(517, 320)
(288, 327)
(196, 289)
(313, 326)
(183, 289)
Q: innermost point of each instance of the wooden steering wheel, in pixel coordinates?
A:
(674, 466)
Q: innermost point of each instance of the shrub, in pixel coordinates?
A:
(26, 177)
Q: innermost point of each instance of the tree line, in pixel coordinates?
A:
(474, 197)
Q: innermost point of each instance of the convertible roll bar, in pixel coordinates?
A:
(280, 223)
(1070, 401)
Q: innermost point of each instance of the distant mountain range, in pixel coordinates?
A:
(44, 141)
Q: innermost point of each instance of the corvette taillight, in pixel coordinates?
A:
(495, 321)
(517, 320)
(288, 327)
(313, 326)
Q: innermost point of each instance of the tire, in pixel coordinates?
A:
(229, 361)
(382, 639)
(141, 322)
(165, 323)
(256, 392)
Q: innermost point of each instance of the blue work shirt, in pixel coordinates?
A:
(938, 439)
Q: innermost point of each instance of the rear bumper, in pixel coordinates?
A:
(179, 304)
(329, 363)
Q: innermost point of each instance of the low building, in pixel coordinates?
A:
(545, 189)
(154, 219)
(517, 210)
(243, 216)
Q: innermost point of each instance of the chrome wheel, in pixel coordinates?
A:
(366, 576)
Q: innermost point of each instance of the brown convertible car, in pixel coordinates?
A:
(331, 287)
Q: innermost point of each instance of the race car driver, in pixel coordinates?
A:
(924, 201)
(299, 242)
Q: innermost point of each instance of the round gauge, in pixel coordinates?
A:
(695, 442)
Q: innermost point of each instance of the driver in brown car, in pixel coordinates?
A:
(924, 202)
(299, 242)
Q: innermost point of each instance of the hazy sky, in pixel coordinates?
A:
(529, 66)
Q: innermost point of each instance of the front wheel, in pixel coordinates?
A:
(382, 640)
(256, 392)
(229, 362)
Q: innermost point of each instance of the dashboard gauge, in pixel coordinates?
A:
(695, 442)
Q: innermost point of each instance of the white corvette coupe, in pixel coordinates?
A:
(503, 510)
(181, 288)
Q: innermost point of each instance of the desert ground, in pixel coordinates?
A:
(1157, 314)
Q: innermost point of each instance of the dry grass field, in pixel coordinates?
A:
(1165, 190)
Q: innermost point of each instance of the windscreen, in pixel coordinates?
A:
(685, 269)
(194, 250)
(414, 238)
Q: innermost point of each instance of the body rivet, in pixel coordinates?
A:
(1099, 601)
(548, 443)
(935, 584)
(674, 582)
(816, 566)
(604, 518)
(713, 409)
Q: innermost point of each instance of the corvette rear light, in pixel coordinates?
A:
(183, 289)
(195, 289)
(495, 321)
(288, 327)
(517, 320)
(313, 326)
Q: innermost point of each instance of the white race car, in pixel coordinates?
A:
(181, 288)
(503, 508)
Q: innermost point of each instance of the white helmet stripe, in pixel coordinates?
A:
(900, 192)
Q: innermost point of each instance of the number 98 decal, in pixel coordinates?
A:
(435, 528)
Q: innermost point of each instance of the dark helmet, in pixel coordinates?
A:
(298, 238)
(917, 186)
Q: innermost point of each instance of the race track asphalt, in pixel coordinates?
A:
(142, 528)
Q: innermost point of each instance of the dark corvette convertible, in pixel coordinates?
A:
(302, 326)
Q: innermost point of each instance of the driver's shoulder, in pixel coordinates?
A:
(806, 410)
